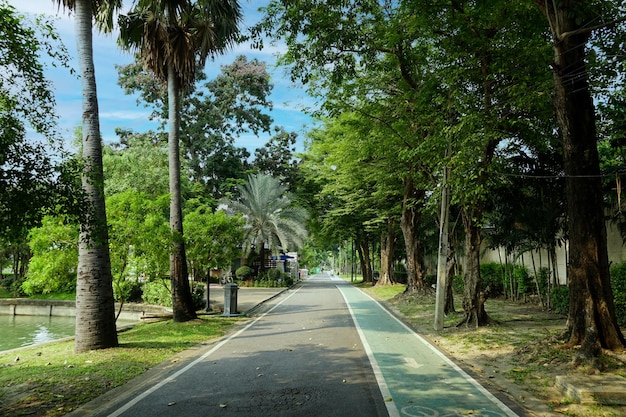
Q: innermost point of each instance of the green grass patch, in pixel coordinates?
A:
(385, 292)
(50, 380)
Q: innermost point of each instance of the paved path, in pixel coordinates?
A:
(417, 378)
(321, 349)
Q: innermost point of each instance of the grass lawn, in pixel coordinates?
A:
(50, 380)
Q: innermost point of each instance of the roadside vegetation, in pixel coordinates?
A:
(518, 355)
(445, 130)
(50, 380)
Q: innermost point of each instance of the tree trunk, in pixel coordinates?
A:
(411, 217)
(365, 259)
(591, 322)
(95, 306)
(387, 247)
(451, 263)
(474, 296)
(182, 303)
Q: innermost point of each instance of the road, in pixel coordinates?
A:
(321, 349)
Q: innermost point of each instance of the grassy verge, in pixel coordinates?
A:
(50, 380)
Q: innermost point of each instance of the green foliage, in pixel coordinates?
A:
(197, 294)
(493, 275)
(543, 277)
(400, 273)
(127, 290)
(212, 238)
(139, 234)
(523, 280)
(243, 273)
(11, 285)
(274, 274)
(618, 284)
(559, 299)
(270, 214)
(273, 278)
(53, 265)
(458, 284)
(157, 292)
(499, 276)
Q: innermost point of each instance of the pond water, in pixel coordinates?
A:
(20, 331)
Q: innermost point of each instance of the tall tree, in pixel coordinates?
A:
(29, 168)
(95, 307)
(591, 321)
(174, 38)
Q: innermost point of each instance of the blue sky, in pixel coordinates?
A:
(120, 110)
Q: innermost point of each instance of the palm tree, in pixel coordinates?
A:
(174, 38)
(271, 217)
(95, 306)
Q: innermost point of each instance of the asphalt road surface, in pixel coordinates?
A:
(321, 349)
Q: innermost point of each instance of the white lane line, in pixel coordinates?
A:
(392, 410)
(178, 373)
(464, 374)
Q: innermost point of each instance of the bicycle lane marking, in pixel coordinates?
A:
(415, 378)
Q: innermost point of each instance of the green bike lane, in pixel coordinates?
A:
(415, 378)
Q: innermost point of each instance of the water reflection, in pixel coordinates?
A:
(18, 331)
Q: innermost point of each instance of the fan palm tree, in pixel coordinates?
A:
(174, 38)
(95, 306)
(271, 218)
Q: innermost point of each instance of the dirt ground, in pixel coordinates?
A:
(519, 354)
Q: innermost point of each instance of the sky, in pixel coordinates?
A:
(120, 110)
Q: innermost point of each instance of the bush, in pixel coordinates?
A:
(197, 295)
(458, 284)
(618, 284)
(400, 274)
(274, 274)
(559, 299)
(492, 275)
(243, 272)
(543, 279)
(157, 292)
(523, 280)
(12, 285)
(129, 291)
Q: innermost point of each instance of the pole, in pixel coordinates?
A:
(440, 299)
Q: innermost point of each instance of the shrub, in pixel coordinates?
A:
(274, 274)
(523, 280)
(400, 273)
(12, 285)
(543, 278)
(492, 275)
(431, 280)
(127, 290)
(157, 292)
(243, 272)
(559, 299)
(618, 284)
(197, 295)
(458, 285)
